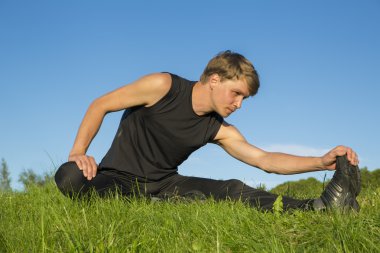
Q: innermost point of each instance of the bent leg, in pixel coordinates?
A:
(230, 189)
(71, 182)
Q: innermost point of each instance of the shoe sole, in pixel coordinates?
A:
(354, 173)
(356, 179)
(334, 196)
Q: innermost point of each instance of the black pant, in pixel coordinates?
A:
(71, 182)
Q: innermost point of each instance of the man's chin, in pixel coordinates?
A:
(225, 115)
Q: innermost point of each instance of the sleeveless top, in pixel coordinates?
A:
(151, 142)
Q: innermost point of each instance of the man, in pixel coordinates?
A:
(167, 118)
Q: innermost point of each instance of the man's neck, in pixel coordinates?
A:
(201, 99)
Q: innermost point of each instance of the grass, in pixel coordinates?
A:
(43, 220)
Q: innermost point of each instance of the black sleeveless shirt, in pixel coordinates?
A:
(152, 141)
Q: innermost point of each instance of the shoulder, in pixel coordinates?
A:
(159, 81)
(154, 86)
(145, 91)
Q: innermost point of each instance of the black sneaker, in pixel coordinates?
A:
(353, 171)
(343, 188)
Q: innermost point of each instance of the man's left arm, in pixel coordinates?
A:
(230, 139)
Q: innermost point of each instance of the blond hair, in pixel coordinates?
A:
(232, 66)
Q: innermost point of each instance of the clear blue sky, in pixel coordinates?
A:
(319, 65)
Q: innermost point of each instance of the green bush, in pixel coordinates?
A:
(304, 188)
(312, 188)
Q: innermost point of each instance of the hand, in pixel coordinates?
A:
(85, 163)
(329, 159)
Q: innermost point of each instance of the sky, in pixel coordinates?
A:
(318, 63)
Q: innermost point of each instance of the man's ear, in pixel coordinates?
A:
(214, 80)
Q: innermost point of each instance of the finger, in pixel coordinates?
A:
(353, 157)
(356, 159)
(79, 163)
(84, 166)
(89, 169)
(350, 156)
(343, 150)
(337, 151)
(94, 166)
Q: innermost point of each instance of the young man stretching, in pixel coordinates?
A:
(167, 118)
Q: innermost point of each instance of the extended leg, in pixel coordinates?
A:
(229, 189)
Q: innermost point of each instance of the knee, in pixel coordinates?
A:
(234, 187)
(69, 178)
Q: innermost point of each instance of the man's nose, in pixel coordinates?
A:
(238, 103)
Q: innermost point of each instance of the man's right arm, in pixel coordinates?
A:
(232, 141)
(145, 92)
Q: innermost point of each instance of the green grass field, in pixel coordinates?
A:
(43, 220)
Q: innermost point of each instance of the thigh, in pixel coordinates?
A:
(71, 182)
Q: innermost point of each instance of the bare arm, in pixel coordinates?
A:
(145, 91)
(230, 139)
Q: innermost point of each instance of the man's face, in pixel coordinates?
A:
(228, 95)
